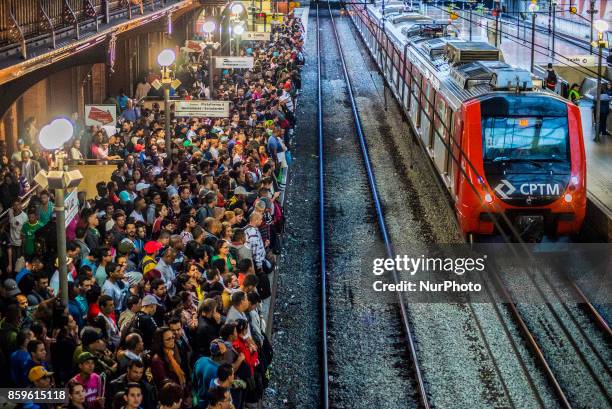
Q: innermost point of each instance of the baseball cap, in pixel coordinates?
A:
(240, 191)
(149, 300)
(124, 196)
(125, 246)
(38, 372)
(151, 247)
(89, 336)
(141, 186)
(133, 278)
(215, 348)
(10, 286)
(85, 356)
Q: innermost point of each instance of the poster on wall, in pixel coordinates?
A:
(100, 115)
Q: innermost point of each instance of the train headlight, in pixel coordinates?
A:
(574, 180)
(568, 197)
(488, 198)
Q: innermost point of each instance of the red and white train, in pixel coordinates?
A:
(508, 153)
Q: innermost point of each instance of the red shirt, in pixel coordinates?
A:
(250, 358)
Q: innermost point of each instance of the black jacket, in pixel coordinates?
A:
(149, 393)
(207, 331)
(145, 325)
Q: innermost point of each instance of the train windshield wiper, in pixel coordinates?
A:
(507, 159)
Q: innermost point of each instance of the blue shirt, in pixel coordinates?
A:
(204, 372)
(130, 115)
(122, 100)
(273, 143)
(19, 363)
(24, 272)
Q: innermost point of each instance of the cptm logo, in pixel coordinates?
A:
(505, 189)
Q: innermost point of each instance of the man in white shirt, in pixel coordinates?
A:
(17, 218)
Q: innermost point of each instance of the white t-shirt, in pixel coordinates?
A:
(16, 223)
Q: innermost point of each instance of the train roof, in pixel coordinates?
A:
(461, 69)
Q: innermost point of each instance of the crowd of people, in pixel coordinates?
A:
(169, 266)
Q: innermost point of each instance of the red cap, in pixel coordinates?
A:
(152, 246)
(138, 147)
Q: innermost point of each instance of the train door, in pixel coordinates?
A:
(456, 146)
(407, 82)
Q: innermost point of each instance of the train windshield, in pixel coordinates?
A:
(525, 138)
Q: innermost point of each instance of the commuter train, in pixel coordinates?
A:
(510, 154)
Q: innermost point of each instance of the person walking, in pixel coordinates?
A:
(551, 77)
(604, 110)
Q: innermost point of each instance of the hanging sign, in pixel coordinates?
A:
(234, 62)
(71, 204)
(255, 36)
(202, 108)
(586, 59)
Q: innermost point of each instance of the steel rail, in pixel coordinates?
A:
(323, 260)
(379, 214)
(529, 337)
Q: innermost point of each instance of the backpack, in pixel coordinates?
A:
(132, 326)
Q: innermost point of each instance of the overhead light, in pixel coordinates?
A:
(166, 58)
(209, 26)
(533, 7)
(237, 8)
(56, 133)
(239, 29)
(601, 26)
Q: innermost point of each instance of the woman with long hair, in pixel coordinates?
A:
(161, 212)
(166, 363)
(226, 231)
(76, 395)
(66, 342)
(186, 225)
(222, 252)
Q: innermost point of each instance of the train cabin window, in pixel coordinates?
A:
(522, 138)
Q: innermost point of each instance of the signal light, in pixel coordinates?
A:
(494, 12)
(568, 198)
(573, 10)
(454, 16)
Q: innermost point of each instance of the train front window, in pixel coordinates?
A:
(525, 138)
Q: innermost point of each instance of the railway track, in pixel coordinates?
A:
(331, 214)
